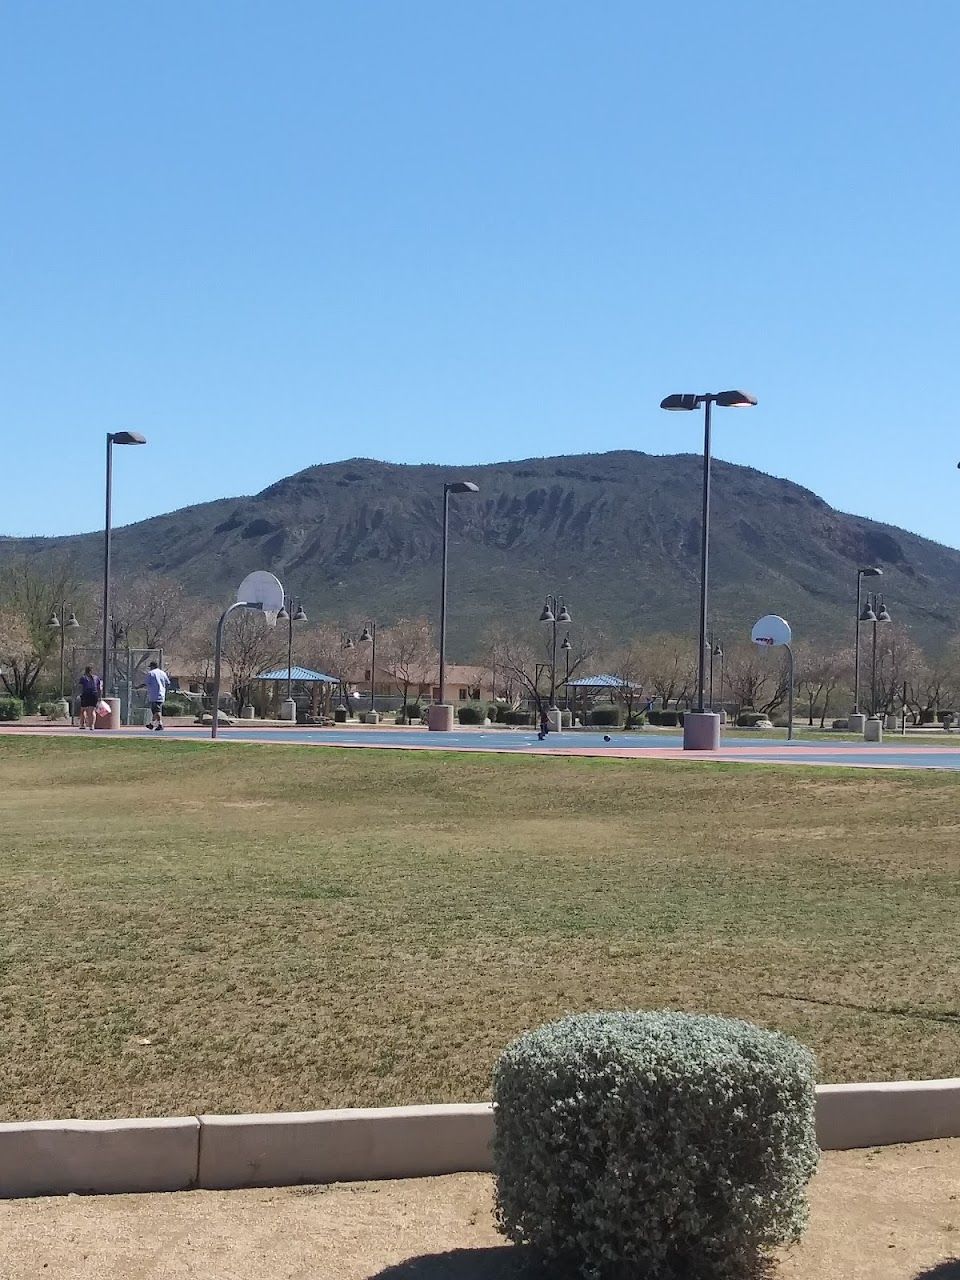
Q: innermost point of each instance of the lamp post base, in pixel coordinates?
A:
(701, 731)
(440, 717)
(288, 710)
(856, 721)
(555, 719)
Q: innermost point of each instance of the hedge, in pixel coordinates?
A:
(665, 1145)
(609, 715)
(11, 709)
(470, 714)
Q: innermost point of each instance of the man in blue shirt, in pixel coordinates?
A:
(157, 684)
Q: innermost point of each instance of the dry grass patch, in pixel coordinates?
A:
(192, 928)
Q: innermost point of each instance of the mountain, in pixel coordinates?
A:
(618, 534)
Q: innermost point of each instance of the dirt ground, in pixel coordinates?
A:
(891, 1214)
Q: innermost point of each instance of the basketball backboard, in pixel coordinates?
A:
(264, 589)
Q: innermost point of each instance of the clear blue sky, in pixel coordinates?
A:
(279, 233)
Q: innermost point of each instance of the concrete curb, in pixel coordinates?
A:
(59, 1157)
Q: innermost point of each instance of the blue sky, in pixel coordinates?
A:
(274, 234)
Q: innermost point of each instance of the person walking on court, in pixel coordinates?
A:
(544, 724)
(91, 691)
(157, 683)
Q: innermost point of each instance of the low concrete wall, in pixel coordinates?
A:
(57, 1157)
(878, 1115)
(344, 1146)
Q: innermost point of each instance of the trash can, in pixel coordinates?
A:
(340, 715)
(873, 730)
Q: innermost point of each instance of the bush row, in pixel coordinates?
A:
(11, 709)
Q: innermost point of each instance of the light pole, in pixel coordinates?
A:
(717, 652)
(60, 622)
(565, 647)
(369, 636)
(874, 611)
(869, 572)
(441, 720)
(699, 735)
(113, 437)
(554, 612)
(346, 642)
(291, 612)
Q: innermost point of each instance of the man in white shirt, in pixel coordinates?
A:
(157, 684)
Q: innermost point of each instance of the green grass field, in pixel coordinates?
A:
(370, 927)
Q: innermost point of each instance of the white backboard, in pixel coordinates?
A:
(770, 631)
(265, 589)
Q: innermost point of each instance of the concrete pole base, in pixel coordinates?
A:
(855, 722)
(440, 717)
(288, 710)
(113, 720)
(371, 717)
(555, 719)
(701, 731)
(873, 730)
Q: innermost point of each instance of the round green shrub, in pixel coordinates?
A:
(747, 719)
(666, 1145)
(669, 719)
(609, 715)
(11, 709)
(470, 714)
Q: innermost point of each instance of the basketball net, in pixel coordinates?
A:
(270, 617)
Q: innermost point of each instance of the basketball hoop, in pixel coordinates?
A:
(263, 589)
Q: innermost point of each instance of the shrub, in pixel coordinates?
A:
(662, 1144)
(609, 715)
(669, 719)
(840, 724)
(747, 719)
(518, 717)
(412, 711)
(179, 707)
(470, 714)
(653, 716)
(11, 709)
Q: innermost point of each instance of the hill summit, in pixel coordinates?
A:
(617, 533)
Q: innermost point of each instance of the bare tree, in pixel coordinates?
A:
(671, 668)
(756, 678)
(821, 670)
(326, 650)
(900, 663)
(30, 591)
(250, 646)
(150, 610)
(629, 666)
(409, 652)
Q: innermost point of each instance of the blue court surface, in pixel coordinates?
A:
(896, 753)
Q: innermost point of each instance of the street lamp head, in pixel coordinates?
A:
(300, 616)
(54, 623)
(365, 636)
(462, 486)
(735, 399)
(718, 650)
(547, 614)
(566, 646)
(126, 437)
(71, 623)
(564, 614)
(282, 615)
(882, 614)
(349, 643)
(867, 614)
(870, 572)
(683, 401)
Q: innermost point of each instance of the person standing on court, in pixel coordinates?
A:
(157, 684)
(91, 691)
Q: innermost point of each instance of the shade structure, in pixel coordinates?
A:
(602, 682)
(299, 675)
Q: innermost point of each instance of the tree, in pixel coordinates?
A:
(756, 678)
(821, 670)
(629, 666)
(30, 591)
(900, 668)
(324, 645)
(150, 610)
(671, 668)
(410, 654)
(250, 646)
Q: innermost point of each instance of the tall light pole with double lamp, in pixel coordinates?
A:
(874, 611)
(555, 613)
(440, 715)
(60, 622)
(565, 648)
(857, 725)
(369, 636)
(291, 612)
(701, 729)
(113, 437)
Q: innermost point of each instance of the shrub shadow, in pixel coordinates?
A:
(508, 1262)
(947, 1270)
